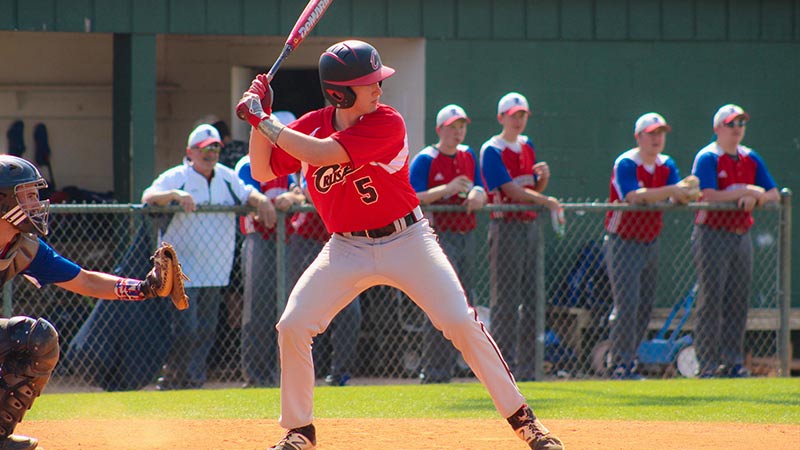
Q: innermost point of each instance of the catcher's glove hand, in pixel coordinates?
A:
(166, 278)
(691, 186)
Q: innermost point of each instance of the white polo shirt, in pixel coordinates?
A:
(204, 241)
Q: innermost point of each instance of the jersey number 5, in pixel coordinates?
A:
(368, 193)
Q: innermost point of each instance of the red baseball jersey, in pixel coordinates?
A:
(719, 170)
(501, 163)
(372, 189)
(629, 174)
(431, 168)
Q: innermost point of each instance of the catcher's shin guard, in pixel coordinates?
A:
(33, 354)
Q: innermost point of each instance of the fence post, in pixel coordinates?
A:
(539, 299)
(8, 299)
(280, 261)
(785, 277)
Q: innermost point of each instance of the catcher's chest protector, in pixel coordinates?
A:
(19, 256)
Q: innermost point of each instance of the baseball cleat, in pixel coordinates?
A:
(18, 442)
(303, 438)
(532, 431)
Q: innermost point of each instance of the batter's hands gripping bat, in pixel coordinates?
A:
(305, 23)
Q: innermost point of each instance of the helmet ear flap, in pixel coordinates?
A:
(342, 97)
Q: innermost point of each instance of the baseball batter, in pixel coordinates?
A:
(29, 348)
(355, 156)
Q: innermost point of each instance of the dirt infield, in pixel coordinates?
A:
(405, 434)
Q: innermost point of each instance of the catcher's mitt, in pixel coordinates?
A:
(166, 277)
(691, 185)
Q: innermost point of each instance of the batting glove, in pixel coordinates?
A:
(256, 103)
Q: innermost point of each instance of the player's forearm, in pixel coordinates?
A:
(731, 195)
(260, 154)
(317, 152)
(92, 284)
(650, 195)
(433, 194)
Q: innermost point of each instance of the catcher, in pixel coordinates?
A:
(29, 347)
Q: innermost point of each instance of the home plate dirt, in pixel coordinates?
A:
(403, 434)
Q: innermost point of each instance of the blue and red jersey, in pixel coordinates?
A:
(503, 162)
(271, 189)
(631, 173)
(431, 168)
(372, 189)
(721, 171)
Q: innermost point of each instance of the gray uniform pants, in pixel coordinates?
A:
(724, 263)
(259, 347)
(633, 273)
(512, 267)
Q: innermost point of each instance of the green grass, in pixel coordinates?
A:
(758, 400)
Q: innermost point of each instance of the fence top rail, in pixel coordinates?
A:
(132, 208)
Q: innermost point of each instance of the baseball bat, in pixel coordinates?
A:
(308, 19)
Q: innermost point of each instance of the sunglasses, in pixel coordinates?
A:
(736, 123)
(216, 148)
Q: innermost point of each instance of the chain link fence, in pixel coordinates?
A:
(123, 345)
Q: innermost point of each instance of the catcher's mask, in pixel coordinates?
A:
(20, 182)
(349, 63)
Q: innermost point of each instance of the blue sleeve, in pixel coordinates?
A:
(705, 168)
(674, 174)
(626, 177)
(477, 176)
(763, 177)
(494, 171)
(247, 177)
(418, 172)
(49, 267)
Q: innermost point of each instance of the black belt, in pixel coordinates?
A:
(398, 225)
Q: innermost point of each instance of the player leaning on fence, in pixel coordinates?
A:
(29, 348)
(354, 155)
(641, 175)
(723, 252)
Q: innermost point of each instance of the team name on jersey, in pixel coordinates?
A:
(326, 177)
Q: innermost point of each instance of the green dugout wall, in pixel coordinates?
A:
(588, 67)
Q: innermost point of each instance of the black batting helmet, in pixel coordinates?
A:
(20, 182)
(349, 63)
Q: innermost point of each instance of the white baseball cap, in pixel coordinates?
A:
(728, 114)
(511, 103)
(203, 136)
(450, 114)
(647, 123)
(285, 117)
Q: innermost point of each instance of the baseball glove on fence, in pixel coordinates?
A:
(166, 278)
(691, 185)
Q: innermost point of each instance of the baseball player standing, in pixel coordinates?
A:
(355, 157)
(29, 347)
(641, 175)
(448, 173)
(513, 176)
(723, 252)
